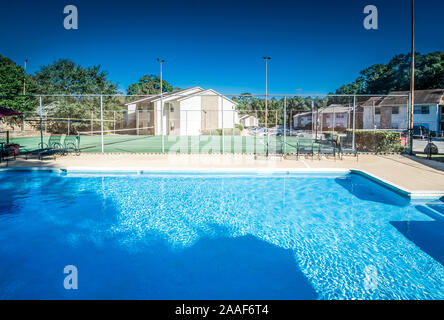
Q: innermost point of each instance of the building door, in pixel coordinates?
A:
(386, 117)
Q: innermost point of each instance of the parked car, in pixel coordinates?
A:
(419, 132)
(275, 132)
(260, 132)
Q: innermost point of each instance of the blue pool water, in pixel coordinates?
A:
(215, 236)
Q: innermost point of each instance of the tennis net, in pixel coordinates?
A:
(120, 140)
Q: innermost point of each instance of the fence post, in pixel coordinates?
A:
(276, 118)
(161, 121)
(41, 122)
(223, 133)
(334, 120)
(101, 122)
(266, 128)
(137, 121)
(285, 126)
(114, 120)
(69, 125)
(354, 123)
(234, 140)
(312, 120)
(312, 116)
(410, 124)
(92, 122)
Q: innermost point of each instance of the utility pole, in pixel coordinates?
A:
(412, 81)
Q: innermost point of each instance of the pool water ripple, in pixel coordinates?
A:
(337, 227)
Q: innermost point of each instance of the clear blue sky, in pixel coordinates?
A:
(315, 46)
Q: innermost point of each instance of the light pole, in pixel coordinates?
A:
(24, 93)
(412, 81)
(24, 78)
(266, 93)
(161, 61)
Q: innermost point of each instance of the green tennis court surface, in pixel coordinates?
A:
(178, 144)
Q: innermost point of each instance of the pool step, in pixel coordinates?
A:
(429, 210)
(437, 207)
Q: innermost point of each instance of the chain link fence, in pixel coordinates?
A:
(208, 122)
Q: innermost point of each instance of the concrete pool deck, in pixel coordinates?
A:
(408, 173)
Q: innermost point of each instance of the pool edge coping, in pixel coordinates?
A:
(414, 195)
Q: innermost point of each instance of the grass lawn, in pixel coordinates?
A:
(179, 144)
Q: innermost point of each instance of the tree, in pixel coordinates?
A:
(395, 75)
(64, 77)
(431, 71)
(149, 85)
(248, 104)
(11, 87)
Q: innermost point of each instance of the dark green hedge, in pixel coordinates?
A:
(378, 141)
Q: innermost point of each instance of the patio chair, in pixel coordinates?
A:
(305, 148)
(345, 146)
(72, 144)
(52, 147)
(54, 142)
(327, 147)
(6, 153)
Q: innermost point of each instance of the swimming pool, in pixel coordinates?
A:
(215, 236)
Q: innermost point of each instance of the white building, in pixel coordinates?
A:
(302, 120)
(192, 111)
(248, 121)
(392, 112)
(335, 116)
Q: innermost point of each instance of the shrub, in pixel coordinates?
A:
(218, 132)
(377, 141)
(239, 127)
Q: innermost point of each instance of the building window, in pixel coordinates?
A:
(339, 116)
(377, 110)
(171, 109)
(395, 110)
(421, 110)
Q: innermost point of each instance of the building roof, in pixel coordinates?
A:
(332, 108)
(336, 108)
(179, 95)
(373, 101)
(432, 96)
(246, 116)
(303, 114)
(49, 109)
(203, 92)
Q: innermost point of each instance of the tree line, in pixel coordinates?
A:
(383, 78)
(64, 77)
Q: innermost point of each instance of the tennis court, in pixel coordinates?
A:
(178, 144)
